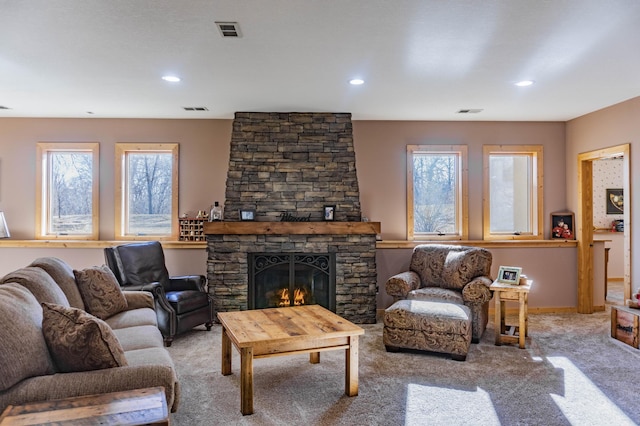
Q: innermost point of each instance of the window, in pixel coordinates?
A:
(67, 190)
(146, 191)
(437, 192)
(512, 192)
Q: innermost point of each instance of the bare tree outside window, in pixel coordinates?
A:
(147, 196)
(149, 192)
(437, 191)
(70, 185)
(434, 193)
(67, 190)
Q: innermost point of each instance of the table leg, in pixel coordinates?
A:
(497, 318)
(226, 353)
(314, 357)
(246, 381)
(521, 323)
(526, 314)
(351, 367)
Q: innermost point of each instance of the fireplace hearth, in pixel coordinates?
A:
(291, 279)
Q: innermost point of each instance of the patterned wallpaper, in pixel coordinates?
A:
(607, 174)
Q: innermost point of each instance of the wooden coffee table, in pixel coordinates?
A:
(294, 330)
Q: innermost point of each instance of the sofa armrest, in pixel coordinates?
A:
(187, 282)
(401, 284)
(138, 299)
(477, 290)
(67, 385)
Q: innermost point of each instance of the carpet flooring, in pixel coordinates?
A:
(571, 373)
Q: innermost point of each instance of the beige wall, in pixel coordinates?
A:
(204, 153)
(615, 125)
(381, 163)
(204, 150)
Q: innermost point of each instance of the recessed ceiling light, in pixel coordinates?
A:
(171, 78)
(524, 83)
(356, 81)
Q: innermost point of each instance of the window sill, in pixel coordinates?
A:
(385, 244)
(404, 244)
(94, 244)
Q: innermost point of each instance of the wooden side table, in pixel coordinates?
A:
(514, 293)
(135, 407)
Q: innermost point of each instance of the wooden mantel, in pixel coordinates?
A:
(291, 228)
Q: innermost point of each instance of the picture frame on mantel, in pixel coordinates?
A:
(247, 214)
(329, 213)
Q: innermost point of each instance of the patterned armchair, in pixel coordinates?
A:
(447, 273)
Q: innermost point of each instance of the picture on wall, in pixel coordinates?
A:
(562, 226)
(615, 201)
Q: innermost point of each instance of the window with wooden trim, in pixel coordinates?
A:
(512, 185)
(146, 199)
(67, 190)
(437, 194)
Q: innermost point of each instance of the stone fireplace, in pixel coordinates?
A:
(292, 165)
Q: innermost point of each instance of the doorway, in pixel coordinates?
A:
(585, 228)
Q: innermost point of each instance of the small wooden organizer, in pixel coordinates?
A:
(191, 229)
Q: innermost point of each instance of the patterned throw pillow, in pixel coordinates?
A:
(78, 341)
(100, 291)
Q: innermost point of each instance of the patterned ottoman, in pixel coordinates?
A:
(428, 326)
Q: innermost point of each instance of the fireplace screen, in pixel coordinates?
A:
(291, 279)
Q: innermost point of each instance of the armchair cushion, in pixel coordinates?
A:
(78, 341)
(187, 300)
(449, 266)
(436, 294)
(100, 291)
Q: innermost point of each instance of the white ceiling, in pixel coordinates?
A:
(421, 59)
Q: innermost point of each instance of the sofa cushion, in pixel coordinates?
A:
(39, 283)
(133, 318)
(100, 291)
(78, 341)
(140, 337)
(63, 275)
(23, 350)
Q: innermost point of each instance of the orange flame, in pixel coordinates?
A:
(298, 297)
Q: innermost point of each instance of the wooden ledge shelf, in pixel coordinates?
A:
(291, 228)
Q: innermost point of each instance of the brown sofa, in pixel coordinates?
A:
(31, 367)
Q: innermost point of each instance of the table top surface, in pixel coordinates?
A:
(246, 328)
(504, 286)
(134, 407)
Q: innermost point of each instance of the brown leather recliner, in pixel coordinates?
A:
(181, 302)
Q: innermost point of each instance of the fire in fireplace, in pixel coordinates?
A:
(291, 279)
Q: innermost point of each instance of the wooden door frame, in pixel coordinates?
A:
(584, 220)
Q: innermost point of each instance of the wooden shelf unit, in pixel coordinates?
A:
(192, 229)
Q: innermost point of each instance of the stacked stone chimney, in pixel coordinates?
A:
(293, 164)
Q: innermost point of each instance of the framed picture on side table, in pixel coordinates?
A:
(509, 275)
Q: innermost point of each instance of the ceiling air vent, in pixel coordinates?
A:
(470, 111)
(229, 29)
(196, 109)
